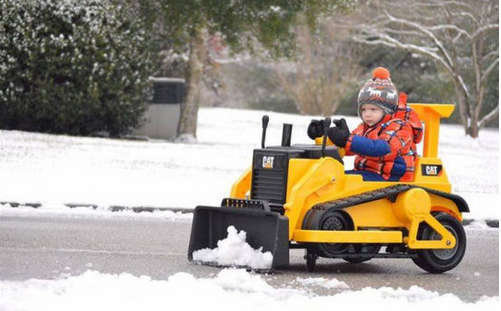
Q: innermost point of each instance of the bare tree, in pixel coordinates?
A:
(461, 36)
(325, 67)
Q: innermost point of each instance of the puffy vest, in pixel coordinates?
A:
(402, 131)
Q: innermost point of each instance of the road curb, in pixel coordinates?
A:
(493, 223)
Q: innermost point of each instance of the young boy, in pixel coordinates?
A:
(384, 145)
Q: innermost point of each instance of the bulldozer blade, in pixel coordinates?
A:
(268, 230)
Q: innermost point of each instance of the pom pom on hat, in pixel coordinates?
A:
(381, 73)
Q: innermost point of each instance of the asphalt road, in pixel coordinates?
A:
(46, 248)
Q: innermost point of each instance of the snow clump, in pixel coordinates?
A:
(235, 251)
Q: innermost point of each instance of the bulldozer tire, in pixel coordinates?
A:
(334, 220)
(441, 260)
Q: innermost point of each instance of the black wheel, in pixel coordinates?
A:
(441, 260)
(365, 249)
(311, 260)
(334, 221)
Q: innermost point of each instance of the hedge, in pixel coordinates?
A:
(75, 66)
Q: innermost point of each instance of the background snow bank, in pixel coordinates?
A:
(84, 212)
(231, 289)
(56, 169)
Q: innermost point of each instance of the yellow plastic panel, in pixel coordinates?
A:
(443, 110)
(347, 236)
(242, 186)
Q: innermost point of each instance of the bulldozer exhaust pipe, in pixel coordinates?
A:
(264, 123)
(286, 135)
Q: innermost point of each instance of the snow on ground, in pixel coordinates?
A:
(57, 169)
(234, 251)
(476, 225)
(323, 282)
(231, 289)
(99, 212)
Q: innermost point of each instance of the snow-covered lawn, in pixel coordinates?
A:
(57, 169)
(230, 289)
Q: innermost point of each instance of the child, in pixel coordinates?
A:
(384, 145)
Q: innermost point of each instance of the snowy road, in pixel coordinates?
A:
(46, 248)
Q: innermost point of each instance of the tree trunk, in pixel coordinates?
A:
(187, 128)
(474, 129)
(463, 108)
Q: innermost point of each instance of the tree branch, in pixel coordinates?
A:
(402, 32)
(467, 15)
(426, 32)
(492, 66)
(441, 4)
(392, 42)
(483, 29)
(491, 53)
(451, 27)
(488, 117)
(456, 38)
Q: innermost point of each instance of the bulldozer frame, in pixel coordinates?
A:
(332, 214)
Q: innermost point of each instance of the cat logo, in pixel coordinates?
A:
(268, 161)
(431, 170)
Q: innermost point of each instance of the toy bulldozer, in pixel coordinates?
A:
(300, 197)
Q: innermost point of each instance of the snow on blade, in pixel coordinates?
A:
(230, 289)
(235, 251)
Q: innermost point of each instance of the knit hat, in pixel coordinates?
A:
(379, 91)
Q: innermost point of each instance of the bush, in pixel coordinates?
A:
(73, 66)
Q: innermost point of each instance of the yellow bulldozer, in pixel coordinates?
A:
(300, 197)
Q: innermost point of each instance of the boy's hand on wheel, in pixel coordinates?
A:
(340, 133)
(315, 129)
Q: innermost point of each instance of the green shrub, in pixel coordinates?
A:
(73, 66)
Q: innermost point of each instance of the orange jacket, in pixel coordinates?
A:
(387, 148)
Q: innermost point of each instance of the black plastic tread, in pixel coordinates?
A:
(459, 201)
(364, 197)
(389, 192)
(314, 215)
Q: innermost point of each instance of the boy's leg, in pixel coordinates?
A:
(366, 175)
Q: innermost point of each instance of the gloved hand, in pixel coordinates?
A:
(315, 129)
(340, 133)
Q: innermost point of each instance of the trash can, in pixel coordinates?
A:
(163, 112)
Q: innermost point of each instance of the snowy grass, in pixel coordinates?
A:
(57, 169)
(231, 289)
(88, 213)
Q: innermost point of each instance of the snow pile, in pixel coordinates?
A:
(231, 289)
(234, 251)
(322, 282)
